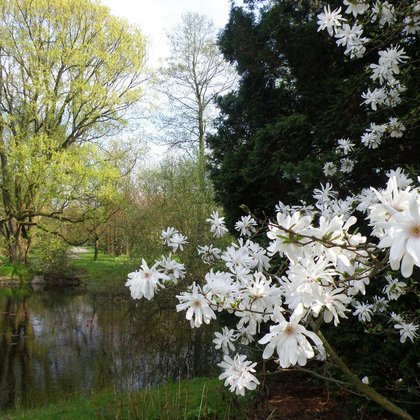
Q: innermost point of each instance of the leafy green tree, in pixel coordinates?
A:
(69, 71)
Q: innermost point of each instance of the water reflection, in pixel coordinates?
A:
(55, 343)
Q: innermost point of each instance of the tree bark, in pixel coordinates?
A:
(95, 255)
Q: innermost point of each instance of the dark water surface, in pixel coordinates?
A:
(58, 343)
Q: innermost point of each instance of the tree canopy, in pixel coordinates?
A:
(69, 72)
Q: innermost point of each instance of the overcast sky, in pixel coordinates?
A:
(156, 17)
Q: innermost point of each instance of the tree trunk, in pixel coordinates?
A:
(17, 247)
(95, 255)
(201, 148)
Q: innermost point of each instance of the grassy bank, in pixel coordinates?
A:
(107, 274)
(197, 398)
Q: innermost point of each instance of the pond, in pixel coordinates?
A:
(58, 343)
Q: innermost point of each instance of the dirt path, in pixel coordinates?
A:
(293, 396)
(74, 251)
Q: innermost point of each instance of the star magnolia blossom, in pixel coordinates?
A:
(290, 340)
(225, 340)
(197, 306)
(218, 227)
(173, 269)
(387, 69)
(402, 236)
(143, 283)
(246, 226)
(356, 7)
(406, 331)
(284, 241)
(238, 373)
(177, 241)
(329, 265)
(167, 233)
(330, 20)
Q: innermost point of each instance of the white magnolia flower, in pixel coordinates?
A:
(374, 98)
(220, 288)
(329, 169)
(372, 137)
(383, 11)
(392, 57)
(334, 303)
(197, 306)
(395, 128)
(402, 236)
(166, 234)
(290, 340)
(260, 295)
(345, 146)
(394, 289)
(412, 21)
(304, 282)
(364, 311)
(401, 178)
(238, 373)
(396, 318)
(371, 140)
(173, 269)
(325, 193)
(351, 38)
(347, 165)
(365, 380)
(358, 286)
(330, 20)
(258, 256)
(391, 200)
(285, 236)
(237, 258)
(218, 227)
(225, 340)
(388, 65)
(380, 304)
(177, 241)
(251, 320)
(246, 226)
(356, 7)
(209, 253)
(144, 282)
(367, 198)
(406, 331)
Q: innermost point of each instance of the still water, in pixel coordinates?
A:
(58, 343)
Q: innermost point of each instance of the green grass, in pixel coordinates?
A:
(107, 274)
(203, 398)
(14, 270)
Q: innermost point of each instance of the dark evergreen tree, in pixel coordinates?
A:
(297, 95)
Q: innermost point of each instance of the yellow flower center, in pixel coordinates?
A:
(415, 231)
(289, 330)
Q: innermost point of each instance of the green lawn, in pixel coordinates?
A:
(106, 274)
(198, 398)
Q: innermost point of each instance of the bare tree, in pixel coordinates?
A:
(194, 75)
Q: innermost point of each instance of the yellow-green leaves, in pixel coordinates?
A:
(69, 71)
(67, 62)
